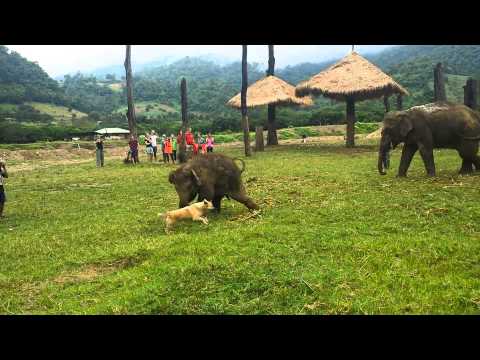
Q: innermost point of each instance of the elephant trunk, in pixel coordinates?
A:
(381, 161)
(383, 155)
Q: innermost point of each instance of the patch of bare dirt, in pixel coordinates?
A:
(330, 139)
(95, 270)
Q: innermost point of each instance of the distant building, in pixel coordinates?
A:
(114, 133)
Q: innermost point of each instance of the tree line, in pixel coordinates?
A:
(210, 86)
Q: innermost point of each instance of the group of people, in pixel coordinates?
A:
(169, 145)
(203, 144)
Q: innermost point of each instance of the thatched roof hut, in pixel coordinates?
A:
(353, 76)
(351, 79)
(270, 90)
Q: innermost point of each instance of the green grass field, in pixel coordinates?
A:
(333, 237)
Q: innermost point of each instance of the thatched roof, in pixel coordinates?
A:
(353, 76)
(270, 90)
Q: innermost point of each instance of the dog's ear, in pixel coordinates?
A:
(205, 202)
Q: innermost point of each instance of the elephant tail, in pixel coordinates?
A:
(243, 164)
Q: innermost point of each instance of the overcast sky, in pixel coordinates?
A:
(62, 59)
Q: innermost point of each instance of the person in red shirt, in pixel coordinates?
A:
(169, 150)
(189, 137)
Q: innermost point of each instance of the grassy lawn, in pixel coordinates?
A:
(333, 237)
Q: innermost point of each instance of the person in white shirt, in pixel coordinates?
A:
(153, 140)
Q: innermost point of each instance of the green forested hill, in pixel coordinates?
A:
(210, 85)
(22, 80)
(457, 59)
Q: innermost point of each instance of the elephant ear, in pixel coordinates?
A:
(405, 126)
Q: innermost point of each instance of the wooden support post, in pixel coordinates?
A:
(259, 143)
(399, 102)
(182, 154)
(439, 84)
(350, 122)
(470, 94)
(386, 103)
(131, 118)
(243, 97)
(271, 121)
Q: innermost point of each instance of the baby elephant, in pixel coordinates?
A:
(210, 176)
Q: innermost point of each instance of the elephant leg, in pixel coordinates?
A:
(426, 151)
(242, 197)
(407, 155)
(468, 152)
(476, 162)
(467, 167)
(206, 192)
(217, 202)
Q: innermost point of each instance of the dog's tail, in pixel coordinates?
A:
(243, 164)
(162, 215)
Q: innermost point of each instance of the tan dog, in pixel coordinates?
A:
(196, 212)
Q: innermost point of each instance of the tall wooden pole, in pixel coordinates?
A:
(246, 131)
(259, 144)
(399, 102)
(439, 83)
(350, 122)
(470, 94)
(182, 155)
(271, 123)
(132, 120)
(386, 103)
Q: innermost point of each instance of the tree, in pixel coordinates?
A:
(110, 77)
(271, 124)
(246, 130)
(132, 121)
(182, 156)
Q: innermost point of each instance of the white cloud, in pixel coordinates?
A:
(61, 59)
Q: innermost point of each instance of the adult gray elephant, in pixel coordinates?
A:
(425, 127)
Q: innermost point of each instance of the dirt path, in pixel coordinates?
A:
(26, 160)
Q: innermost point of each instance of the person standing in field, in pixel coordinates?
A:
(149, 147)
(165, 155)
(3, 174)
(173, 139)
(179, 137)
(210, 141)
(169, 150)
(201, 143)
(153, 140)
(99, 151)
(189, 137)
(133, 144)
